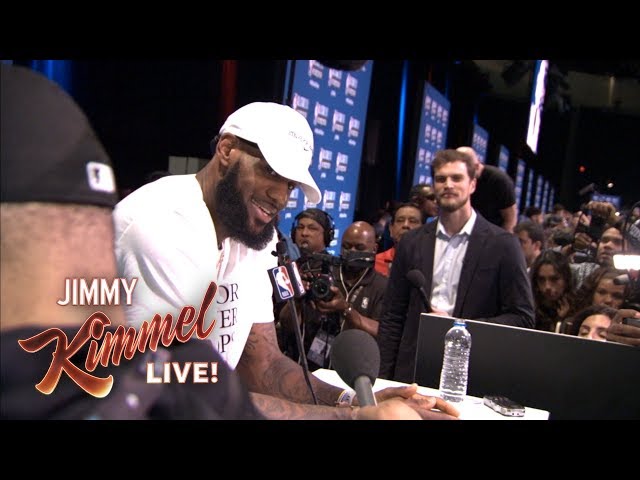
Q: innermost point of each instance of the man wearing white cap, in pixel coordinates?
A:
(180, 233)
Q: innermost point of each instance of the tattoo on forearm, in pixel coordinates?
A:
(279, 409)
(265, 369)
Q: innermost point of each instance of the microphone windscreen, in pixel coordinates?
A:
(355, 353)
(281, 247)
(416, 277)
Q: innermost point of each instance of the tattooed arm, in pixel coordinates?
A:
(265, 369)
(274, 408)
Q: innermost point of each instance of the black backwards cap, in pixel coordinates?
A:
(318, 215)
(48, 149)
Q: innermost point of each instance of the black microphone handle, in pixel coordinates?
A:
(300, 344)
(425, 299)
(364, 391)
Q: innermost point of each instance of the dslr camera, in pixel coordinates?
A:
(315, 268)
(594, 230)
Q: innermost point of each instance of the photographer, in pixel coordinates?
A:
(597, 238)
(312, 232)
(625, 327)
(346, 293)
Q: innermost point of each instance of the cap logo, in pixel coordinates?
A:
(100, 177)
(305, 144)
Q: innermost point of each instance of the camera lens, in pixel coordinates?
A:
(321, 289)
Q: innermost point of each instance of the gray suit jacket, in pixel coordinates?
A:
(494, 286)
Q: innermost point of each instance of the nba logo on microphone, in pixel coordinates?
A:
(281, 282)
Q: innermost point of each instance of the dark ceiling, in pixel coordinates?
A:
(616, 68)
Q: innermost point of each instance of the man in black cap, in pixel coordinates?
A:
(313, 230)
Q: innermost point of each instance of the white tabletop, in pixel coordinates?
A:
(472, 408)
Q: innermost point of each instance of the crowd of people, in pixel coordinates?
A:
(178, 234)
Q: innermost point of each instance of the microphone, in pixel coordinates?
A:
(287, 286)
(356, 358)
(286, 282)
(417, 279)
(285, 278)
(286, 250)
(281, 250)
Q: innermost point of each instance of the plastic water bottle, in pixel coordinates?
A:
(455, 364)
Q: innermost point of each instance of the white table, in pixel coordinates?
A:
(472, 408)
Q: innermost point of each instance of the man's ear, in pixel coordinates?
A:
(474, 183)
(225, 144)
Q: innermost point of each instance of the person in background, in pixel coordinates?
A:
(534, 214)
(531, 238)
(423, 197)
(596, 239)
(358, 288)
(312, 231)
(553, 290)
(599, 288)
(593, 322)
(472, 269)
(354, 299)
(405, 218)
(494, 197)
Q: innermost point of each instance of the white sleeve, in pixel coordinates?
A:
(171, 272)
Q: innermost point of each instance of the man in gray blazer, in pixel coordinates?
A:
(472, 269)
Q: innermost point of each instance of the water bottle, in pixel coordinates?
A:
(455, 364)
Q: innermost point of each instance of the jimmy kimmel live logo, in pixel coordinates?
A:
(107, 346)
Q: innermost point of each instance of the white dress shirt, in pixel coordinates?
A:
(447, 264)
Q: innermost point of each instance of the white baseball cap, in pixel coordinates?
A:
(284, 138)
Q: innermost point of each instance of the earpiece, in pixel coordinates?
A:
(313, 213)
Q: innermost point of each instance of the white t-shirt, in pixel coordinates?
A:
(164, 237)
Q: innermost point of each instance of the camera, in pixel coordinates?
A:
(315, 268)
(320, 287)
(596, 227)
(586, 255)
(594, 230)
